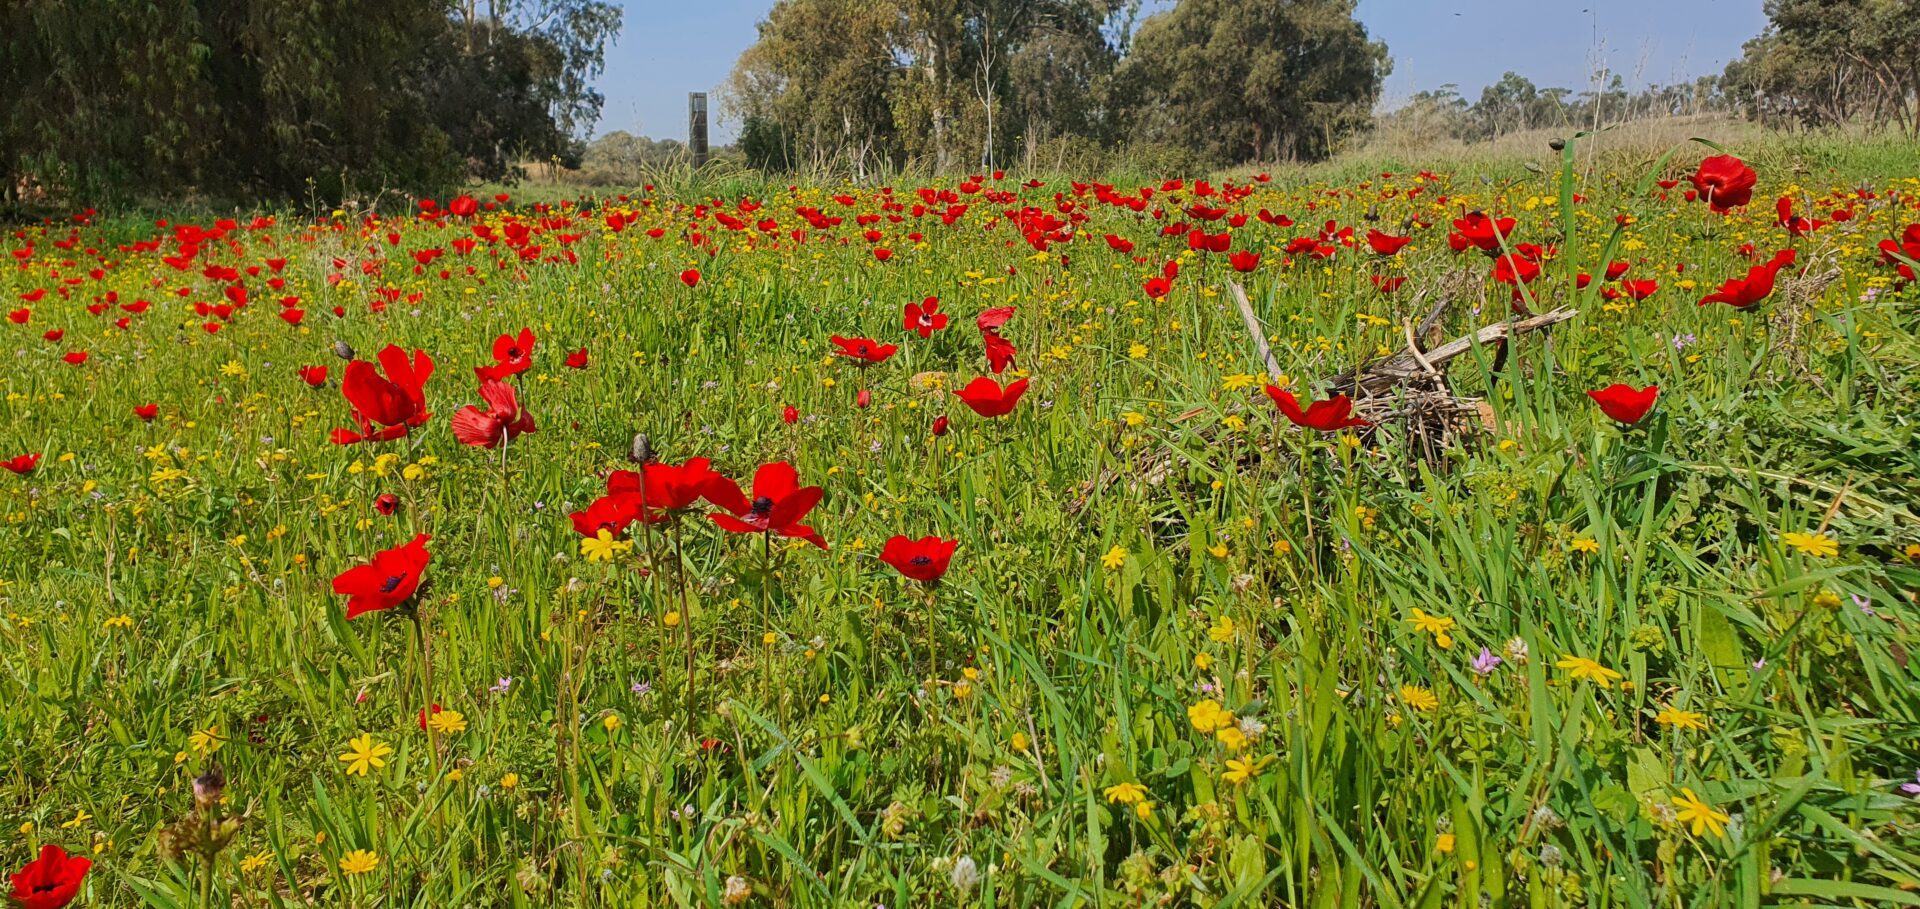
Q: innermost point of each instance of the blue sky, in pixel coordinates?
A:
(670, 47)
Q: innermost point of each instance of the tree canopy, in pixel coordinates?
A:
(1829, 62)
(975, 83)
(290, 99)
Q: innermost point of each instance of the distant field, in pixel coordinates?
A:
(1471, 637)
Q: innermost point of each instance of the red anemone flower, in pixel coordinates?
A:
(387, 581)
(790, 415)
(611, 513)
(502, 421)
(146, 412)
(314, 376)
(511, 355)
(577, 359)
(22, 464)
(1624, 403)
(779, 504)
(672, 488)
(1157, 288)
(940, 425)
(1331, 415)
(1796, 225)
(386, 503)
(395, 399)
(1725, 181)
(989, 399)
(1386, 244)
(865, 351)
(50, 881)
(925, 317)
(924, 559)
(76, 358)
(991, 319)
(1244, 261)
(1741, 293)
(690, 277)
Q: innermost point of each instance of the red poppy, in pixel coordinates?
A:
(577, 359)
(690, 277)
(19, 316)
(76, 358)
(1388, 285)
(925, 317)
(863, 399)
(502, 421)
(53, 334)
(50, 881)
(1756, 286)
(1624, 403)
(1725, 181)
(386, 503)
(989, 399)
(1157, 288)
(865, 351)
(293, 316)
(790, 415)
(463, 207)
(314, 376)
(512, 355)
(1386, 244)
(779, 504)
(22, 464)
(1244, 261)
(940, 425)
(1331, 415)
(146, 412)
(387, 581)
(395, 399)
(924, 559)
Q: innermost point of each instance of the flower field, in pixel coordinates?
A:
(957, 543)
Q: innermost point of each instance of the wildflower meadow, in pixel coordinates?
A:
(1481, 535)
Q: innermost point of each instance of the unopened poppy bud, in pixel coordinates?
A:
(790, 415)
(210, 786)
(863, 399)
(940, 426)
(1557, 144)
(642, 452)
(343, 350)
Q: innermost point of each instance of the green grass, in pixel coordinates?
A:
(1272, 571)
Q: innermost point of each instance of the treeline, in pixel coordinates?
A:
(956, 84)
(1832, 62)
(289, 99)
(1515, 104)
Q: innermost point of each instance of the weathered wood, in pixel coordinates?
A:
(1254, 328)
(1406, 365)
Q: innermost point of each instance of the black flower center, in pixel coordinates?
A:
(392, 583)
(860, 349)
(762, 506)
(920, 560)
(513, 353)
